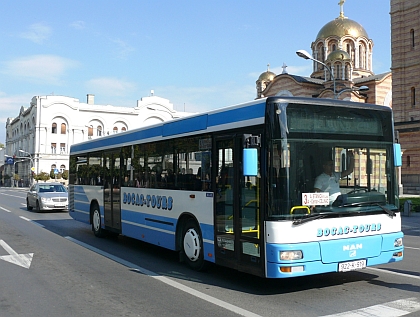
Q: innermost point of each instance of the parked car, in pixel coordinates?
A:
(47, 196)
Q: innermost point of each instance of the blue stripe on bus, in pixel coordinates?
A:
(185, 125)
(162, 223)
(189, 124)
(236, 115)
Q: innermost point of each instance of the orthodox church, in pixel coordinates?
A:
(342, 68)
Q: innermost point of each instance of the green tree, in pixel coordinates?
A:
(43, 176)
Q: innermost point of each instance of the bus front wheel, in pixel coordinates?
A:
(97, 223)
(192, 246)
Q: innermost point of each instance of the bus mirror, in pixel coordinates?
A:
(397, 154)
(250, 162)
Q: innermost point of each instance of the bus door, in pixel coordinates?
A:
(112, 186)
(238, 229)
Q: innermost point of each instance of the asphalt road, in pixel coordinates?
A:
(51, 265)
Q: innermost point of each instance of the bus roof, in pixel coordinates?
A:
(246, 114)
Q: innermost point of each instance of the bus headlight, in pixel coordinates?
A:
(398, 242)
(291, 255)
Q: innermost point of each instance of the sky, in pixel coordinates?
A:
(201, 55)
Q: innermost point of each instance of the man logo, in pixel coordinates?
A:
(351, 247)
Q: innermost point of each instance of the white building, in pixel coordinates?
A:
(41, 135)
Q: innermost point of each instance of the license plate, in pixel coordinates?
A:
(59, 205)
(351, 266)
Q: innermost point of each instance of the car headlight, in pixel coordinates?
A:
(291, 255)
(45, 199)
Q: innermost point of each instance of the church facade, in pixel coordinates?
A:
(343, 53)
(405, 56)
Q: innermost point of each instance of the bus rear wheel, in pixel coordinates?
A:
(97, 223)
(192, 246)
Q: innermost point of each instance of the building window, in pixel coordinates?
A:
(62, 168)
(412, 37)
(53, 148)
(115, 130)
(123, 129)
(63, 128)
(413, 96)
(408, 161)
(99, 131)
(54, 128)
(62, 148)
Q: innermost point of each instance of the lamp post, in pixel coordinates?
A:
(359, 89)
(304, 54)
(32, 164)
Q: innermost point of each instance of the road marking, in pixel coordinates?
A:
(12, 195)
(5, 209)
(23, 260)
(392, 272)
(396, 308)
(411, 248)
(163, 279)
(24, 218)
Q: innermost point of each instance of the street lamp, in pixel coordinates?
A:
(359, 89)
(304, 54)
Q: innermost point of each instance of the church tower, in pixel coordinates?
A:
(344, 50)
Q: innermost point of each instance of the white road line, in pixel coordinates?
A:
(186, 289)
(24, 218)
(394, 273)
(411, 248)
(5, 209)
(396, 308)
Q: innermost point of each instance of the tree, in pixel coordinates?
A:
(43, 176)
(1, 145)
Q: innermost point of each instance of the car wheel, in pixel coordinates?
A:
(192, 246)
(37, 207)
(97, 223)
(28, 207)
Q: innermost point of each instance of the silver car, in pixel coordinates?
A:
(47, 196)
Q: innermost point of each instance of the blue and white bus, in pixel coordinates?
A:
(236, 186)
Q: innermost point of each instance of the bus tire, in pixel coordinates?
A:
(97, 222)
(192, 246)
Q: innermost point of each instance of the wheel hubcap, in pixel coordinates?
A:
(96, 220)
(192, 245)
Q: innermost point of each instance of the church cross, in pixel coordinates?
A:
(341, 4)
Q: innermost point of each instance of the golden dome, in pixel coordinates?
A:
(341, 27)
(338, 55)
(267, 76)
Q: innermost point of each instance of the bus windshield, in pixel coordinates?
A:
(320, 164)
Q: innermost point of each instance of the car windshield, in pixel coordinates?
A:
(52, 188)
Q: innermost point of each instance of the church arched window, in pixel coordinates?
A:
(412, 37)
(413, 96)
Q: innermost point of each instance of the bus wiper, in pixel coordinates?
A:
(371, 203)
(308, 218)
(388, 211)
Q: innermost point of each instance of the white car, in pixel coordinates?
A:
(47, 196)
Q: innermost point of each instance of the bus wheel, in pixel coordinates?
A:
(192, 246)
(96, 223)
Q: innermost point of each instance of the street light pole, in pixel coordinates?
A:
(359, 89)
(304, 54)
